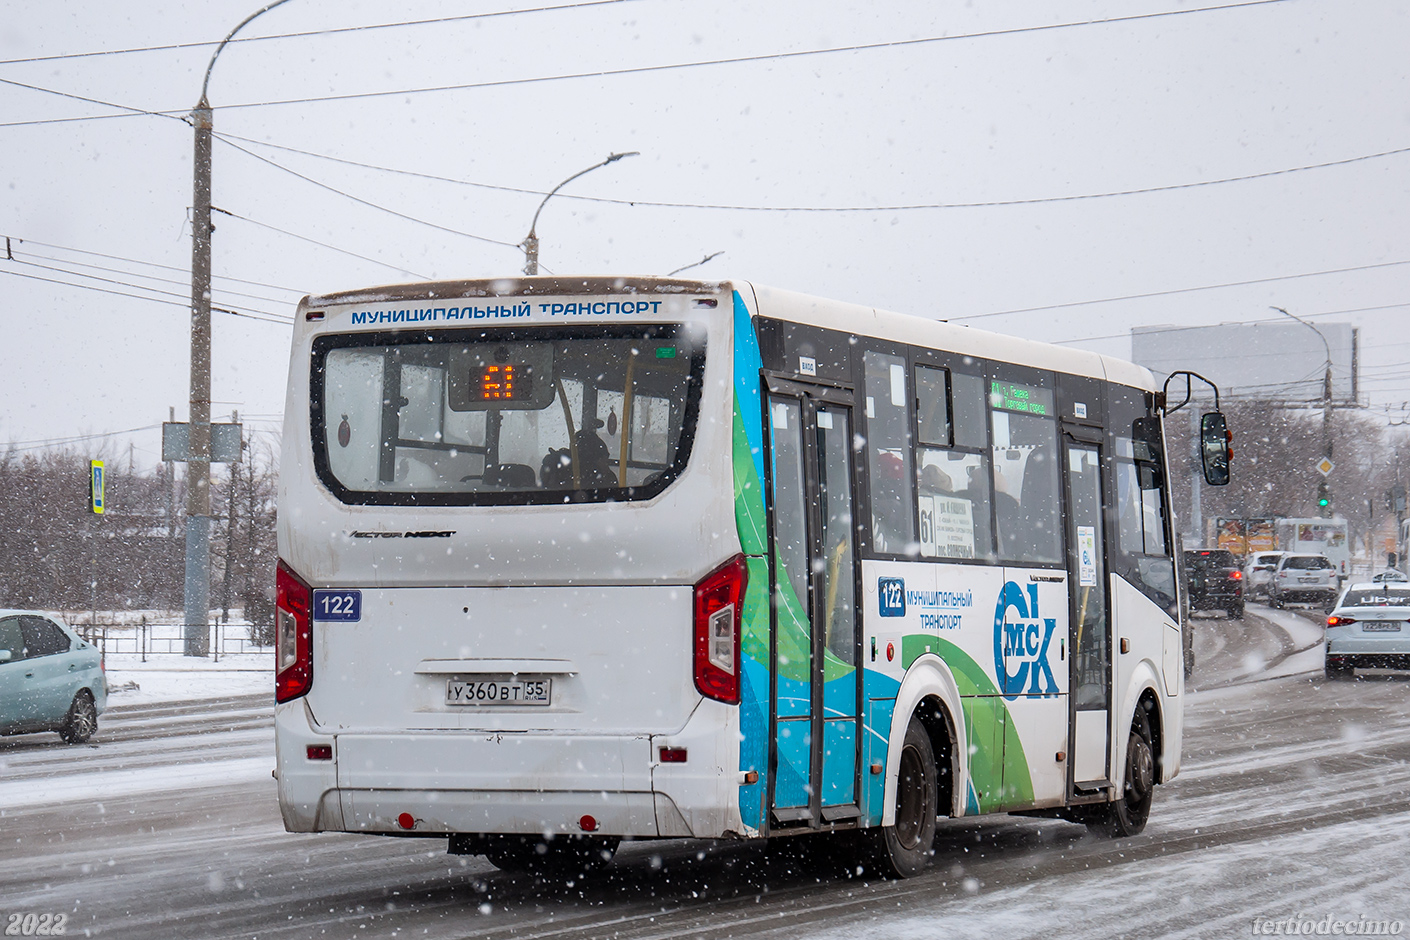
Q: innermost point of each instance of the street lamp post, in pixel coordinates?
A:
(530, 244)
(1324, 495)
(198, 464)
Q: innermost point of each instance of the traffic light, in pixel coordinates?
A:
(1324, 499)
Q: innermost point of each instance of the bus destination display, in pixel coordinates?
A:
(1010, 396)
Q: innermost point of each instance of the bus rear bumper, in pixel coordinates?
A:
(434, 782)
(562, 812)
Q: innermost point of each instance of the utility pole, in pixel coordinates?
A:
(230, 522)
(171, 489)
(198, 464)
(1324, 486)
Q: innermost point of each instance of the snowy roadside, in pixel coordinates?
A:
(1308, 655)
(1264, 644)
(169, 677)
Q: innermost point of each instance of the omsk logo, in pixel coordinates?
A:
(1021, 644)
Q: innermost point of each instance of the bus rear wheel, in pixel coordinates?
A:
(903, 850)
(565, 856)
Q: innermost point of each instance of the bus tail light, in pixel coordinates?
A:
(719, 603)
(293, 642)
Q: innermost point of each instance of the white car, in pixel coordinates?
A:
(1305, 578)
(1370, 627)
(1258, 573)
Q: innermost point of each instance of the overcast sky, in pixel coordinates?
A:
(963, 131)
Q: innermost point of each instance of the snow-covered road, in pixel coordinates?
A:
(1294, 800)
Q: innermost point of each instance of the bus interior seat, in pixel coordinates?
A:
(515, 476)
(595, 459)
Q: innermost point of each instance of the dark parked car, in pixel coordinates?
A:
(1214, 581)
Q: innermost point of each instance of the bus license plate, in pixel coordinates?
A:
(1383, 627)
(498, 691)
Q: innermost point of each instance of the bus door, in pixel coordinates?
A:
(1090, 681)
(814, 691)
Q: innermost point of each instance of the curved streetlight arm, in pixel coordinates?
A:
(613, 158)
(1327, 348)
(205, 84)
(1324, 491)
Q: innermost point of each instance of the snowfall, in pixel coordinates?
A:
(1278, 824)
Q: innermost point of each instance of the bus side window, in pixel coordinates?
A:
(970, 420)
(933, 406)
(889, 454)
(1143, 553)
(1027, 510)
(952, 482)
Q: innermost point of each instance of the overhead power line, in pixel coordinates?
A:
(369, 203)
(42, 444)
(713, 63)
(128, 110)
(153, 264)
(314, 241)
(146, 277)
(156, 300)
(207, 43)
(991, 203)
(768, 56)
(108, 280)
(1176, 290)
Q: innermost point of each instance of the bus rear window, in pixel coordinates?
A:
(484, 417)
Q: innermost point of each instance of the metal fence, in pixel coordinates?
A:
(164, 639)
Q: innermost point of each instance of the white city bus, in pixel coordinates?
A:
(567, 561)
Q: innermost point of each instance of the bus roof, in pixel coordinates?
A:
(777, 304)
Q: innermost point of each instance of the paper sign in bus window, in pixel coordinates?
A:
(1086, 556)
(946, 527)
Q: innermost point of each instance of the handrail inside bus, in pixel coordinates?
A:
(628, 394)
(572, 438)
(1165, 390)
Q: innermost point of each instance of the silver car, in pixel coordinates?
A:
(1304, 578)
(50, 678)
(1258, 573)
(1370, 628)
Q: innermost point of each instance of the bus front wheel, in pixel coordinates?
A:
(902, 850)
(1127, 816)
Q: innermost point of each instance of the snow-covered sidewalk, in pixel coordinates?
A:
(169, 677)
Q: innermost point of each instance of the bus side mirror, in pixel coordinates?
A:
(1216, 448)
